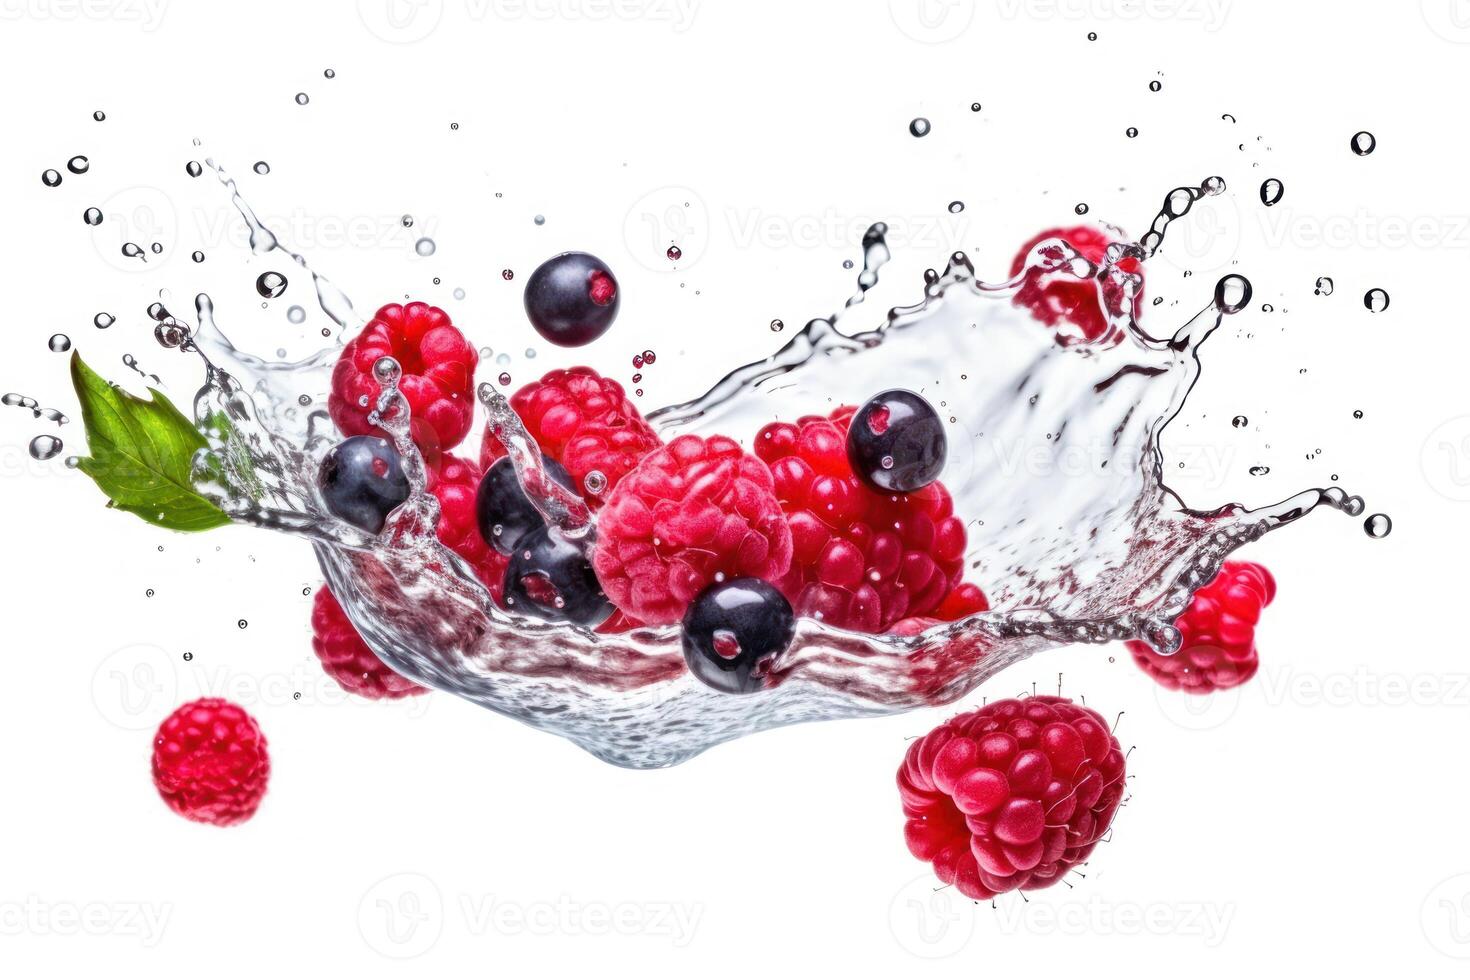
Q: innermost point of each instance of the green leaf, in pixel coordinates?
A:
(142, 454)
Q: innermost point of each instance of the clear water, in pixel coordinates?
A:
(1054, 462)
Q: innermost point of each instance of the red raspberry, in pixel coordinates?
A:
(692, 511)
(455, 481)
(347, 659)
(583, 421)
(1060, 298)
(1011, 796)
(861, 560)
(1219, 627)
(438, 375)
(210, 762)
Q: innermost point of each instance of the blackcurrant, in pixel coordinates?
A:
(896, 443)
(362, 480)
(549, 577)
(732, 632)
(572, 299)
(504, 513)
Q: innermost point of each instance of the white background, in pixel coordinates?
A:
(1314, 817)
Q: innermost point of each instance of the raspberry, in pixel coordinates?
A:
(210, 762)
(454, 482)
(692, 511)
(583, 421)
(347, 659)
(861, 560)
(438, 375)
(1219, 628)
(1056, 298)
(1011, 796)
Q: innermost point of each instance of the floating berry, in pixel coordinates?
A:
(550, 578)
(1057, 298)
(454, 482)
(1219, 633)
(1011, 796)
(585, 422)
(347, 659)
(733, 630)
(693, 512)
(572, 299)
(502, 510)
(438, 366)
(210, 762)
(362, 480)
(896, 442)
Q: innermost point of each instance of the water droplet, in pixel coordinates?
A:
(92, 216)
(540, 219)
(131, 251)
(919, 126)
(329, 73)
(78, 164)
(507, 274)
(955, 207)
(198, 256)
(1267, 308)
(674, 253)
(502, 359)
(1376, 300)
(193, 169)
(50, 178)
(425, 247)
(45, 447)
(1259, 470)
(847, 263)
(1154, 86)
(1363, 143)
(1378, 525)
(974, 107)
(1240, 421)
(270, 285)
(777, 326)
(594, 482)
(1092, 35)
(302, 98)
(103, 320)
(157, 248)
(1232, 293)
(59, 343)
(1080, 209)
(1357, 413)
(1323, 287)
(1131, 132)
(530, 353)
(504, 378)
(262, 168)
(1272, 191)
(99, 115)
(387, 371)
(1227, 117)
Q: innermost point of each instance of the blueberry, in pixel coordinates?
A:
(362, 480)
(732, 630)
(572, 299)
(502, 509)
(549, 577)
(896, 443)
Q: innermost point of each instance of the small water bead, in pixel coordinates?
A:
(1081, 209)
(1259, 470)
(530, 353)
(502, 359)
(72, 462)
(99, 115)
(458, 292)
(78, 164)
(507, 274)
(777, 326)
(157, 248)
(540, 219)
(919, 126)
(594, 482)
(1267, 308)
(198, 256)
(50, 178)
(1363, 143)
(974, 107)
(193, 169)
(131, 251)
(103, 320)
(407, 220)
(329, 73)
(1131, 132)
(1376, 300)
(1214, 186)
(1323, 287)
(158, 311)
(425, 247)
(1232, 293)
(504, 378)
(1240, 421)
(170, 333)
(262, 168)
(1378, 525)
(847, 263)
(1357, 413)
(387, 371)
(436, 280)
(14, 399)
(303, 400)
(59, 343)
(1272, 191)
(674, 253)
(1092, 35)
(92, 216)
(302, 98)
(45, 447)
(955, 207)
(1227, 117)
(1154, 86)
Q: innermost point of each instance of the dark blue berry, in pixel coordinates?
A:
(549, 577)
(362, 480)
(503, 511)
(896, 443)
(572, 299)
(732, 632)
